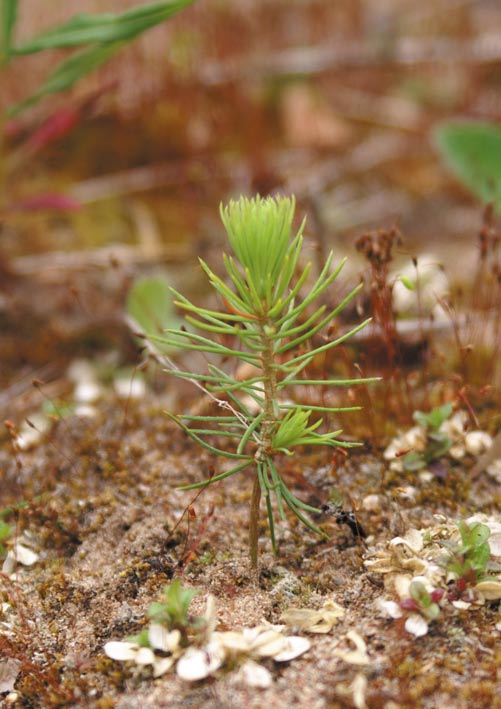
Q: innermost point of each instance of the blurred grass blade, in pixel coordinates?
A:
(9, 16)
(104, 28)
(70, 71)
(472, 151)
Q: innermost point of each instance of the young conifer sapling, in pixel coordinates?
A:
(267, 320)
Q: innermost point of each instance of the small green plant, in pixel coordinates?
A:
(438, 442)
(423, 601)
(172, 613)
(469, 560)
(265, 326)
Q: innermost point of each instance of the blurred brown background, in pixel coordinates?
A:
(332, 100)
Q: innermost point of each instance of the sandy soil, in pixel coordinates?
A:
(111, 530)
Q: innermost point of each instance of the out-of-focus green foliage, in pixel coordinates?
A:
(9, 16)
(472, 151)
(100, 37)
(105, 28)
(150, 307)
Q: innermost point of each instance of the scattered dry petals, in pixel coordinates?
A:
(359, 689)
(457, 451)
(414, 438)
(32, 431)
(494, 469)
(87, 392)
(19, 554)
(160, 638)
(477, 442)
(198, 663)
(359, 655)
(86, 411)
(461, 605)
(495, 544)
(132, 387)
(255, 675)
(413, 540)
(381, 565)
(371, 503)
(401, 583)
(294, 647)
(489, 589)
(312, 621)
(144, 656)
(416, 625)
(24, 555)
(455, 426)
(121, 651)
(267, 643)
(163, 665)
(233, 642)
(389, 609)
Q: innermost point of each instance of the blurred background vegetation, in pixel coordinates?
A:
(335, 101)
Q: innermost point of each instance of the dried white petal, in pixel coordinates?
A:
(382, 565)
(133, 387)
(477, 442)
(426, 476)
(312, 621)
(358, 656)
(144, 656)
(415, 438)
(359, 689)
(371, 503)
(80, 370)
(160, 638)
(494, 469)
(198, 663)
(121, 651)
(268, 644)
(294, 647)
(413, 540)
(162, 665)
(461, 605)
(87, 392)
(233, 641)
(28, 438)
(457, 451)
(24, 555)
(489, 589)
(416, 625)
(455, 426)
(255, 675)
(389, 608)
(86, 411)
(495, 544)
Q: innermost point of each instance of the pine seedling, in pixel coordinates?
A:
(271, 325)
